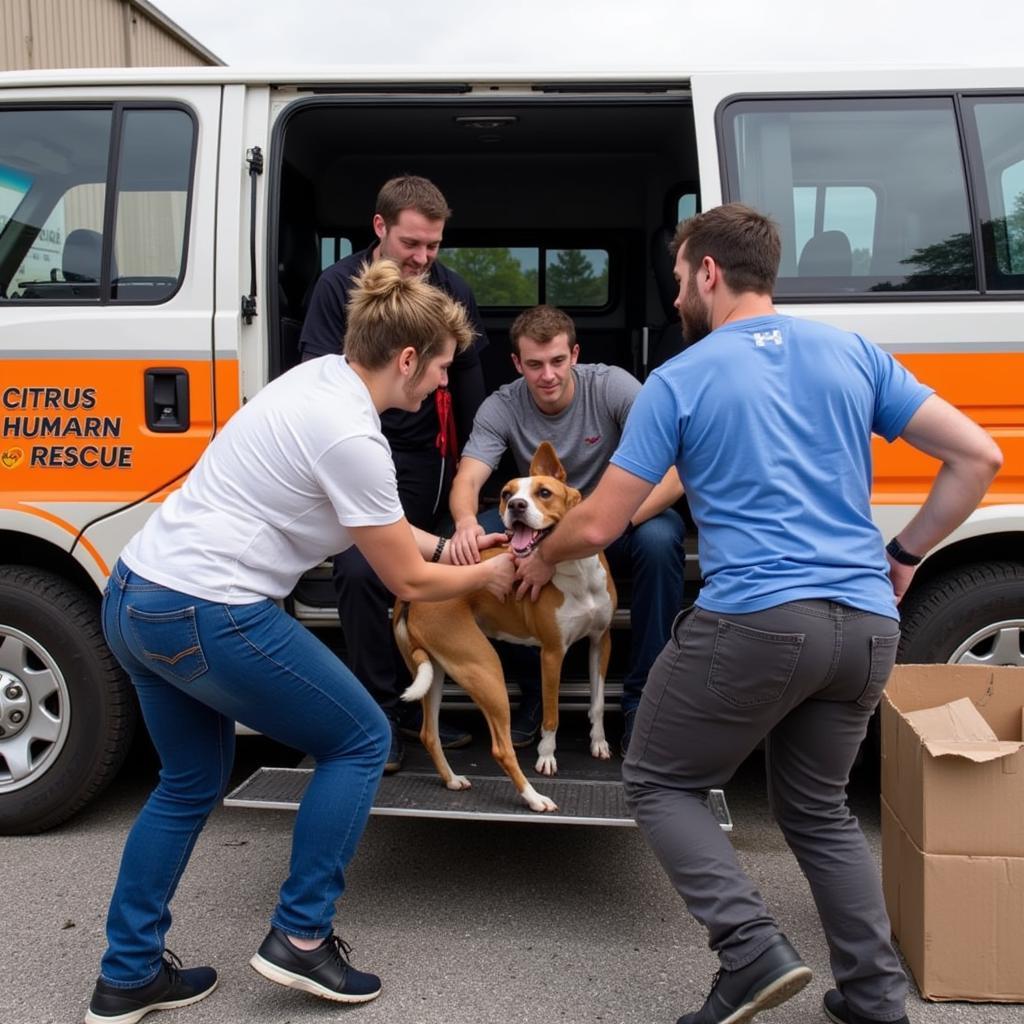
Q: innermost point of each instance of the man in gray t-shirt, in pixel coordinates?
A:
(581, 410)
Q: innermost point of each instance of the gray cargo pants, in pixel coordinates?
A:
(805, 677)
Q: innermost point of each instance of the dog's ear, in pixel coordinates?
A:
(545, 462)
(572, 497)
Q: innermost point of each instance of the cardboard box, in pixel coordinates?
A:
(954, 775)
(953, 827)
(959, 921)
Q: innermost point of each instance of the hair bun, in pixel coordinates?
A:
(380, 279)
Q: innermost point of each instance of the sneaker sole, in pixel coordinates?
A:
(299, 981)
(775, 992)
(137, 1015)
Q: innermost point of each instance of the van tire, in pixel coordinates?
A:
(972, 615)
(82, 730)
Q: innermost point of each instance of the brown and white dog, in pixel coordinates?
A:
(436, 637)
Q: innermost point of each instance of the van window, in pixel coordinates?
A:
(52, 194)
(334, 249)
(869, 194)
(59, 228)
(687, 206)
(499, 275)
(1000, 128)
(152, 204)
(509, 276)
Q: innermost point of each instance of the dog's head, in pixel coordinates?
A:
(532, 505)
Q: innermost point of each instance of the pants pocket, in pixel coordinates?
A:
(883, 657)
(170, 641)
(752, 666)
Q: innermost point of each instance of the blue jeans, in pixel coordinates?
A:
(652, 556)
(198, 667)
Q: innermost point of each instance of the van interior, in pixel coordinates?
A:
(598, 176)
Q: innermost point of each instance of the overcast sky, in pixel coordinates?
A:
(586, 35)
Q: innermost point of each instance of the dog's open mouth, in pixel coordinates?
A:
(522, 539)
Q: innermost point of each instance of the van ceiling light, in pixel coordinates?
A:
(487, 123)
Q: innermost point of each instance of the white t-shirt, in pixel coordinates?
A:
(275, 492)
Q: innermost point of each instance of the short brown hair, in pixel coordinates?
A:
(387, 312)
(542, 323)
(743, 242)
(410, 192)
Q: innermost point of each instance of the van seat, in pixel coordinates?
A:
(827, 254)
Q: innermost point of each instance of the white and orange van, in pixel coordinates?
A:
(161, 231)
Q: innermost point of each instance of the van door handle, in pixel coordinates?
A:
(167, 400)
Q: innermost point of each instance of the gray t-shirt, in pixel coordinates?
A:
(584, 435)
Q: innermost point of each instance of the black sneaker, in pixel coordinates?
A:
(324, 971)
(628, 718)
(839, 1013)
(396, 752)
(410, 722)
(526, 720)
(736, 996)
(171, 988)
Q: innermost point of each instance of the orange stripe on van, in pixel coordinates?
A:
(64, 525)
(985, 386)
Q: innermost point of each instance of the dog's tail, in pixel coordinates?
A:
(415, 657)
(420, 685)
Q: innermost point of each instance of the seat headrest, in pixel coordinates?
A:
(827, 254)
(662, 265)
(82, 256)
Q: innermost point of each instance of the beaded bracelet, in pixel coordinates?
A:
(439, 550)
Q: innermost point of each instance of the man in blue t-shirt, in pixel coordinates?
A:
(409, 221)
(769, 421)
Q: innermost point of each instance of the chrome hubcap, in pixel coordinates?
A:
(35, 709)
(996, 644)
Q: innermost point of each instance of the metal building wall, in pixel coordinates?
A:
(89, 33)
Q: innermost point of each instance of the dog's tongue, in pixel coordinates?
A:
(522, 537)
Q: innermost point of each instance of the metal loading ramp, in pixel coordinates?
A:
(587, 791)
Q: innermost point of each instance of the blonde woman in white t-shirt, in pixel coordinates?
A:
(299, 473)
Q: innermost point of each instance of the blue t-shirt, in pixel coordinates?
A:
(769, 422)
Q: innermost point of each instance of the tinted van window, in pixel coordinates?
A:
(869, 194)
(999, 122)
(60, 239)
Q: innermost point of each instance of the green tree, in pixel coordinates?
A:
(571, 281)
(495, 275)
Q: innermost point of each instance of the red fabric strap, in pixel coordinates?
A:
(447, 442)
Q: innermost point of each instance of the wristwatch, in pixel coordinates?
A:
(900, 554)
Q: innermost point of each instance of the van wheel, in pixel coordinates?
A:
(67, 713)
(967, 616)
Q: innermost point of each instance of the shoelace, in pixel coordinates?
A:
(173, 964)
(339, 948)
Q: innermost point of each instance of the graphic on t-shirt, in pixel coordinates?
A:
(762, 338)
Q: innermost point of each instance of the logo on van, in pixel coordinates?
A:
(12, 457)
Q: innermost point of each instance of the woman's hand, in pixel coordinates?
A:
(501, 575)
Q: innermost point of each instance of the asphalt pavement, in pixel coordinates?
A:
(466, 922)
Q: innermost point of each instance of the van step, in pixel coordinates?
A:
(491, 798)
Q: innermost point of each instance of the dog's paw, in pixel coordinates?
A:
(547, 764)
(600, 748)
(536, 802)
(458, 782)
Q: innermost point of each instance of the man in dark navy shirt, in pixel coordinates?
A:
(409, 222)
